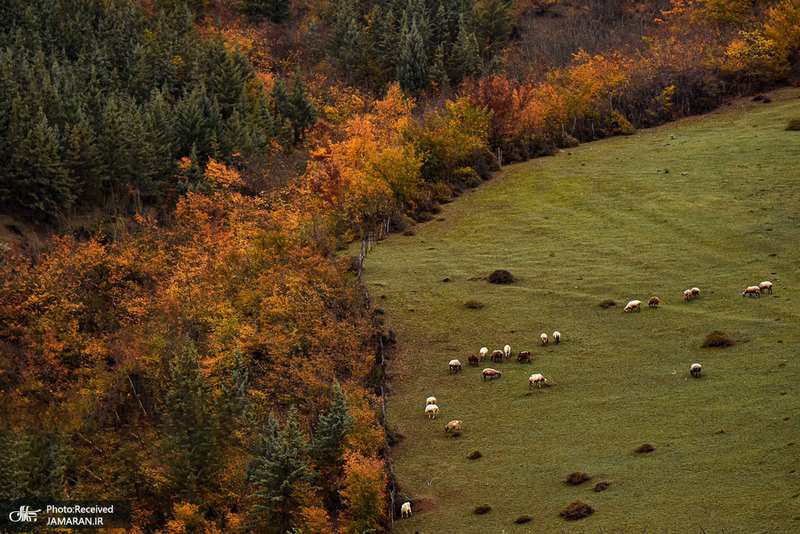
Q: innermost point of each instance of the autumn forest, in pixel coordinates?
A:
(179, 324)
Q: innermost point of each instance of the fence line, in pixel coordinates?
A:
(367, 243)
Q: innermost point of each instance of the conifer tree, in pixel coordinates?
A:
(198, 123)
(466, 58)
(438, 70)
(412, 63)
(279, 464)
(492, 22)
(37, 174)
(332, 428)
(276, 10)
(190, 426)
(304, 113)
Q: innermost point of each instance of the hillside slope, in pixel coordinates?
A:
(607, 221)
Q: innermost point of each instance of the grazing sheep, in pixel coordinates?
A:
(507, 351)
(633, 305)
(454, 426)
(431, 410)
(695, 369)
(524, 356)
(537, 379)
(473, 359)
(497, 356)
(455, 366)
(687, 295)
(653, 302)
(753, 291)
(430, 400)
(557, 337)
(544, 339)
(491, 373)
(484, 351)
(695, 292)
(765, 286)
(405, 510)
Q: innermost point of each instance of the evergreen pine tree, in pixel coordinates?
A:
(282, 113)
(38, 176)
(279, 464)
(276, 10)
(304, 113)
(190, 426)
(198, 123)
(412, 63)
(81, 160)
(492, 22)
(332, 428)
(466, 59)
(438, 70)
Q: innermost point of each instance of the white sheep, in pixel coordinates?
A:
(557, 337)
(507, 351)
(455, 366)
(695, 292)
(537, 379)
(544, 339)
(497, 356)
(431, 410)
(430, 400)
(634, 304)
(765, 286)
(753, 291)
(453, 426)
(405, 510)
(695, 369)
(484, 351)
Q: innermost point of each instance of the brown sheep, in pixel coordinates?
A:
(452, 426)
(497, 356)
(474, 360)
(491, 373)
(524, 357)
(653, 302)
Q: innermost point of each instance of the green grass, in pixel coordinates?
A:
(604, 221)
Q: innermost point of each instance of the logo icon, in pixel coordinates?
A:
(24, 514)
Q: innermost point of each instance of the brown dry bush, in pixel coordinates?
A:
(577, 477)
(602, 486)
(576, 510)
(474, 455)
(608, 303)
(793, 126)
(645, 448)
(523, 519)
(473, 304)
(501, 276)
(483, 509)
(717, 339)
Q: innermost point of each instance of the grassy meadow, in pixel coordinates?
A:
(712, 202)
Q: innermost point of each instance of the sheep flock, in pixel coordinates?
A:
(499, 356)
